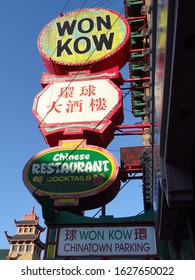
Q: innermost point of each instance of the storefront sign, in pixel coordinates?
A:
(76, 102)
(83, 37)
(79, 109)
(119, 241)
(72, 173)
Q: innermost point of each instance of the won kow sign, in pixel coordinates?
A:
(123, 241)
(84, 37)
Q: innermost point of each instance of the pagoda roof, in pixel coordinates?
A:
(24, 237)
(30, 220)
(22, 222)
(17, 237)
(29, 223)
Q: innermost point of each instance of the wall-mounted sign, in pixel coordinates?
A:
(88, 175)
(68, 109)
(82, 38)
(130, 157)
(114, 241)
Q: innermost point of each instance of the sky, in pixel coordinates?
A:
(21, 69)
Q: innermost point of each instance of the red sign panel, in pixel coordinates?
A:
(130, 158)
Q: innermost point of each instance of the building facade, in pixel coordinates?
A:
(26, 243)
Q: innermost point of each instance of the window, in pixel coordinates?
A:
(20, 230)
(26, 230)
(14, 248)
(28, 248)
(37, 251)
(31, 229)
(21, 248)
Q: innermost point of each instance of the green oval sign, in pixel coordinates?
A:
(70, 172)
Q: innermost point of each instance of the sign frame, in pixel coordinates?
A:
(115, 245)
(38, 176)
(98, 132)
(117, 56)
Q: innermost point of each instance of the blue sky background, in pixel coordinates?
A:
(21, 68)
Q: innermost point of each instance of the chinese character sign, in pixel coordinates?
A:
(121, 241)
(76, 101)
